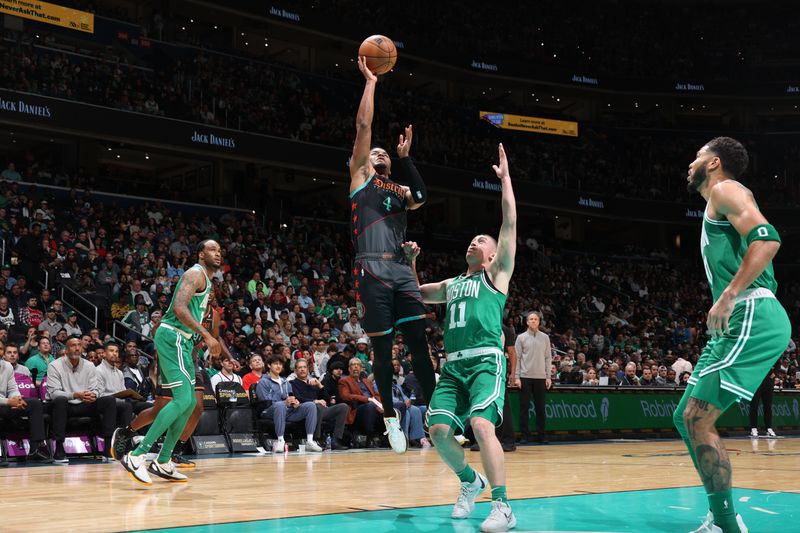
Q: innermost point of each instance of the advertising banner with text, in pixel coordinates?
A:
(49, 14)
(610, 409)
(531, 124)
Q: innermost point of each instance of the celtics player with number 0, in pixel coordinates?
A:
(748, 326)
(174, 343)
(472, 382)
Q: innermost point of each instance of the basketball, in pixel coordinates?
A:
(380, 53)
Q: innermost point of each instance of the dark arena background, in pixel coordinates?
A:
(130, 132)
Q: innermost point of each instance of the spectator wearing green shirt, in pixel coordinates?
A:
(40, 358)
(325, 309)
(10, 173)
(251, 285)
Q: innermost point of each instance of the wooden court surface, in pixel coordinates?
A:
(101, 497)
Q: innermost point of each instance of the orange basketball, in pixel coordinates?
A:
(380, 53)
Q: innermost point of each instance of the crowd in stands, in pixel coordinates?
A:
(256, 96)
(286, 304)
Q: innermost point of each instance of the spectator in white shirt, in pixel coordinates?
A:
(226, 375)
(352, 329)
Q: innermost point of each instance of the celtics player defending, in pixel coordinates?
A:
(386, 290)
(472, 383)
(174, 343)
(749, 329)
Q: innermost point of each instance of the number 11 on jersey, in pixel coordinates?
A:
(460, 309)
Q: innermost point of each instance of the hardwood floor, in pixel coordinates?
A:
(101, 497)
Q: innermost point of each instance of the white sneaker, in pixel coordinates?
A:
(465, 503)
(708, 525)
(312, 446)
(279, 446)
(500, 519)
(771, 433)
(425, 443)
(135, 467)
(754, 433)
(167, 471)
(461, 439)
(397, 439)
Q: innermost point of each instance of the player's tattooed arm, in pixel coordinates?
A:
(193, 281)
(503, 264)
(432, 293)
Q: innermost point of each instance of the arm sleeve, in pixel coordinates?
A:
(548, 359)
(54, 387)
(407, 171)
(94, 382)
(518, 348)
(10, 388)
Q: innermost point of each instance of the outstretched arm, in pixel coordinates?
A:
(432, 293)
(736, 202)
(359, 162)
(502, 265)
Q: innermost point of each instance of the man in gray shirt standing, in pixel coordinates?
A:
(533, 370)
(74, 390)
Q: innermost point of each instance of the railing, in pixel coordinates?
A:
(123, 339)
(78, 300)
(126, 328)
(2, 251)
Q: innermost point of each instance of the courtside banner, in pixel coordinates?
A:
(531, 124)
(600, 408)
(49, 14)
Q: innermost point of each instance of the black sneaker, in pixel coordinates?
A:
(120, 441)
(475, 447)
(41, 454)
(60, 456)
(338, 444)
(182, 462)
(509, 447)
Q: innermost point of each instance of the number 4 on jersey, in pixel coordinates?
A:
(387, 204)
(461, 309)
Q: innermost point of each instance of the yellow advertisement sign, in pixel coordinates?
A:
(532, 124)
(49, 14)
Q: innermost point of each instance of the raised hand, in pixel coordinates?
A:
(502, 168)
(362, 66)
(404, 145)
(411, 250)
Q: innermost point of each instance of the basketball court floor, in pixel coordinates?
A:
(607, 486)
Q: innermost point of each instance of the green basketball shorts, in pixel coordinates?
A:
(473, 386)
(733, 366)
(175, 365)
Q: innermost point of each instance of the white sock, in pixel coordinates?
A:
(309, 437)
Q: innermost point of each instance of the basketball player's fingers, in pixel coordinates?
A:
(409, 133)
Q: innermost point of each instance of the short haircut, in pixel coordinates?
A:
(274, 358)
(300, 361)
(731, 153)
(201, 246)
(537, 313)
(354, 360)
(111, 343)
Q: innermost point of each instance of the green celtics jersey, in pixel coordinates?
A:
(197, 305)
(474, 314)
(723, 250)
